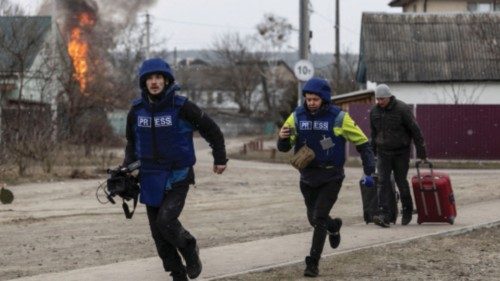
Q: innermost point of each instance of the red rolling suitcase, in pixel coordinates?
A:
(433, 196)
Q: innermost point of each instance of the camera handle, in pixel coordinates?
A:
(126, 209)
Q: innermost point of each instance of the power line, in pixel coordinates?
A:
(325, 18)
(204, 24)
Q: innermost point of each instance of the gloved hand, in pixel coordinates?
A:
(367, 181)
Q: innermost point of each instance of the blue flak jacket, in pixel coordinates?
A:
(164, 142)
(313, 129)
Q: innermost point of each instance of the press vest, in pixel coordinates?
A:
(163, 143)
(317, 132)
(162, 139)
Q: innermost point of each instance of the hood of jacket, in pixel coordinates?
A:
(163, 99)
(320, 87)
(155, 65)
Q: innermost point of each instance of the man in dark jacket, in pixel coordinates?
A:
(325, 129)
(159, 133)
(393, 128)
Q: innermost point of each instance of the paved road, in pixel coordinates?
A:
(255, 255)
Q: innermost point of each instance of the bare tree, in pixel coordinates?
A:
(460, 93)
(196, 82)
(347, 81)
(110, 82)
(274, 32)
(237, 70)
(483, 35)
(127, 56)
(8, 8)
(277, 87)
(26, 116)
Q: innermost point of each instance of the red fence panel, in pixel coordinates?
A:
(360, 113)
(461, 131)
(468, 132)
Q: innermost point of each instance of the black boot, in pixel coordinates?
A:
(179, 275)
(381, 220)
(407, 215)
(190, 253)
(311, 267)
(334, 236)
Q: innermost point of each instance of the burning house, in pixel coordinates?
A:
(59, 64)
(28, 65)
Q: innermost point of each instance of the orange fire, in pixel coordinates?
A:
(78, 49)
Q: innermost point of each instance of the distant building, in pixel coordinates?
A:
(446, 6)
(432, 58)
(29, 63)
(192, 62)
(196, 78)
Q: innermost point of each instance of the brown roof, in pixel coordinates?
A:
(429, 47)
(400, 3)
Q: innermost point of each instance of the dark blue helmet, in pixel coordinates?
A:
(155, 65)
(318, 86)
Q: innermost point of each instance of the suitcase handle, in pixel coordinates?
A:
(420, 162)
(434, 189)
(431, 167)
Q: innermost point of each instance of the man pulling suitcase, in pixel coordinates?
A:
(393, 128)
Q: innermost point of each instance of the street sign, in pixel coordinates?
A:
(303, 70)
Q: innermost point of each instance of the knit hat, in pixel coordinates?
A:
(382, 91)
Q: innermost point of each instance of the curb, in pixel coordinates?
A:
(453, 232)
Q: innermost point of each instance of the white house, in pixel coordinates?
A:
(30, 54)
(438, 58)
(446, 6)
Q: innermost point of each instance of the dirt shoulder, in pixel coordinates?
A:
(59, 226)
(471, 256)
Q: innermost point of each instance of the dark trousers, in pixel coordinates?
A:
(319, 201)
(167, 230)
(399, 164)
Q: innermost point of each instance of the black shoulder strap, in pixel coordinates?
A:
(126, 209)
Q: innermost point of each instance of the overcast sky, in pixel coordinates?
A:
(194, 24)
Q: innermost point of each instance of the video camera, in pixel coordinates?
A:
(6, 196)
(121, 182)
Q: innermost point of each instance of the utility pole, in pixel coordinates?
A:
(304, 30)
(54, 71)
(175, 56)
(148, 25)
(304, 36)
(337, 47)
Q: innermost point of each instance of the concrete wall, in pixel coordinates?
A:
(447, 93)
(241, 125)
(437, 6)
(230, 125)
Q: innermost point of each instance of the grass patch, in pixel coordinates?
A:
(270, 156)
(70, 162)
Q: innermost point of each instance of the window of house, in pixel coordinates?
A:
(480, 7)
(219, 98)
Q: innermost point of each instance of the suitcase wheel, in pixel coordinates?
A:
(451, 220)
(367, 217)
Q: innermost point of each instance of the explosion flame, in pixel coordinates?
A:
(78, 49)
